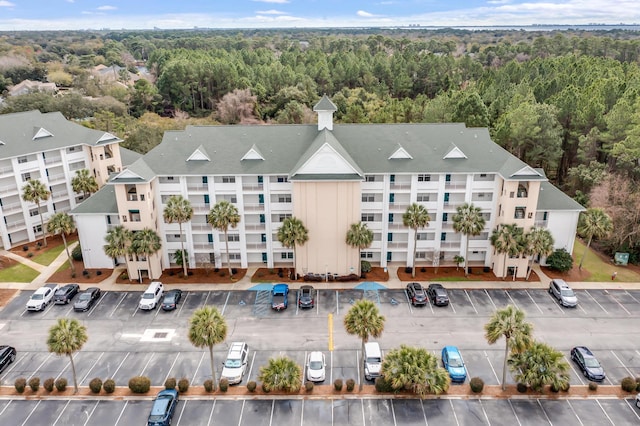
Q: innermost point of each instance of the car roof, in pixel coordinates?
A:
(171, 392)
(91, 289)
(584, 350)
(316, 356)
(280, 286)
(436, 285)
(306, 287)
(237, 347)
(451, 350)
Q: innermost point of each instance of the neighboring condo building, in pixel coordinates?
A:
(328, 176)
(49, 148)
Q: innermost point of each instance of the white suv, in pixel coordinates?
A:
(151, 296)
(41, 297)
(236, 364)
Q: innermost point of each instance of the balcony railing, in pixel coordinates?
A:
(256, 246)
(198, 187)
(200, 226)
(252, 186)
(455, 185)
(254, 226)
(5, 170)
(254, 207)
(400, 185)
(16, 225)
(202, 245)
(53, 160)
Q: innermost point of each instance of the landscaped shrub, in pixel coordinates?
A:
(20, 384)
(560, 260)
(265, 388)
(139, 384)
(98, 272)
(251, 386)
(564, 387)
(234, 271)
(522, 388)
(208, 385)
(85, 273)
(224, 385)
(593, 386)
(628, 384)
(34, 383)
(25, 248)
(76, 253)
(554, 388)
(61, 384)
(383, 385)
(95, 385)
(183, 385)
(351, 384)
(408, 270)
(337, 384)
(30, 254)
(365, 266)
(48, 384)
(109, 386)
(308, 386)
(476, 384)
(170, 383)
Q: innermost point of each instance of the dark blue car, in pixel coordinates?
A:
(163, 408)
(279, 297)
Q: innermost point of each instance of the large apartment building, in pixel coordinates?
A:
(49, 148)
(329, 176)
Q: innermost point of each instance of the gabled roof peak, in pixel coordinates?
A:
(400, 154)
(252, 154)
(527, 171)
(325, 104)
(454, 152)
(200, 154)
(41, 132)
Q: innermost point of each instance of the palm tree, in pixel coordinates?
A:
(416, 369)
(66, 337)
(34, 191)
(207, 328)
(538, 242)
(84, 182)
(469, 222)
(293, 233)
(508, 322)
(593, 223)
(507, 240)
(415, 217)
(364, 320)
(178, 209)
(118, 240)
(145, 243)
(222, 216)
(540, 365)
(360, 236)
(61, 223)
(281, 374)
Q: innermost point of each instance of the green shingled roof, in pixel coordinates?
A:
(102, 202)
(325, 104)
(551, 198)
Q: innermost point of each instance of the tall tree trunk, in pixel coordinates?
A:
(363, 378)
(149, 263)
(44, 231)
(73, 371)
(466, 257)
(415, 243)
(213, 368)
(504, 367)
(66, 248)
(226, 243)
(184, 263)
(585, 252)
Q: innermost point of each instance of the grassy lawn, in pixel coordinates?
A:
(18, 273)
(47, 256)
(599, 269)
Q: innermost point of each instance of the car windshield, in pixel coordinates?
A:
(440, 292)
(455, 362)
(36, 297)
(591, 363)
(567, 293)
(62, 291)
(169, 298)
(85, 296)
(233, 363)
(373, 359)
(159, 408)
(148, 296)
(315, 365)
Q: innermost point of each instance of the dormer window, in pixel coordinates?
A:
(522, 191)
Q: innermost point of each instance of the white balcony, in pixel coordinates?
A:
(254, 207)
(201, 227)
(8, 189)
(252, 186)
(12, 226)
(254, 226)
(256, 246)
(52, 160)
(6, 170)
(198, 187)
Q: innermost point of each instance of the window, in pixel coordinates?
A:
(33, 212)
(443, 236)
(424, 178)
(22, 160)
(134, 215)
(124, 218)
(206, 198)
(263, 238)
(228, 179)
(390, 236)
(390, 217)
(392, 197)
(262, 218)
(425, 236)
(512, 194)
(446, 198)
(26, 176)
(389, 256)
(286, 255)
(234, 256)
(483, 175)
(447, 178)
(369, 178)
(205, 179)
(233, 237)
(284, 198)
(367, 217)
(37, 229)
(283, 216)
(170, 178)
(421, 255)
(392, 178)
(422, 198)
(529, 215)
(520, 213)
(282, 179)
(260, 179)
(366, 255)
(445, 217)
(368, 198)
(73, 148)
(210, 238)
(264, 257)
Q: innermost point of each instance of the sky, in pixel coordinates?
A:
(143, 14)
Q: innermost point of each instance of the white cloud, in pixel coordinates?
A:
(273, 1)
(5, 3)
(499, 1)
(270, 12)
(71, 1)
(364, 14)
(107, 7)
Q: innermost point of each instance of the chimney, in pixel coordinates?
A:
(325, 109)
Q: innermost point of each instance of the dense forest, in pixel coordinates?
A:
(565, 101)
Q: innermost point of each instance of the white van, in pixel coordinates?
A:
(372, 360)
(151, 296)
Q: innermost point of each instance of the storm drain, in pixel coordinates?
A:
(157, 335)
(160, 335)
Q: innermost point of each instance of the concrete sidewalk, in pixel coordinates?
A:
(109, 283)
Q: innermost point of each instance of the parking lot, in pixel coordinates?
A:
(125, 342)
(444, 412)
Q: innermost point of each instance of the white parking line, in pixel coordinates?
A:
(621, 305)
(511, 298)
(182, 411)
(632, 408)
(317, 302)
(34, 409)
(495, 308)
(61, 412)
(40, 366)
(393, 413)
(183, 303)
(302, 413)
(622, 363)
(534, 302)
(117, 304)
(544, 412)
(451, 304)
(92, 365)
(408, 301)
(193, 379)
(273, 404)
(358, 367)
(484, 412)
(631, 295)
(424, 413)
(486, 355)
(226, 302)
(241, 412)
(471, 301)
(213, 407)
(91, 413)
(514, 412)
(574, 412)
(253, 358)
(363, 416)
(122, 412)
(5, 407)
(120, 365)
(304, 369)
(592, 298)
(605, 412)
(93, 308)
(171, 368)
(454, 412)
(206, 298)
(570, 362)
(147, 364)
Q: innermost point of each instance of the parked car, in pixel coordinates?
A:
(171, 299)
(151, 296)
(438, 294)
(559, 289)
(417, 294)
(454, 364)
(279, 297)
(588, 363)
(163, 408)
(638, 400)
(64, 294)
(86, 299)
(305, 297)
(235, 365)
(7, 356)
(372, 360)
(41, 297)
(316, 367)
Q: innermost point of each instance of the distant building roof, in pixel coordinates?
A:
(28, 86)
